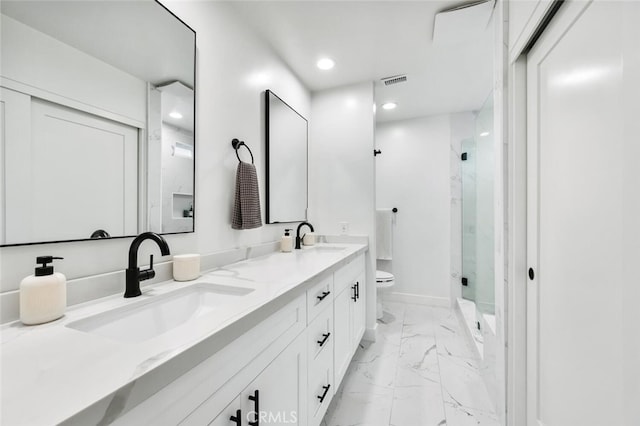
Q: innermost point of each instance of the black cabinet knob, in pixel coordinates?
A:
(531, 274)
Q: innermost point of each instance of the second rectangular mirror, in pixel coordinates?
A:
(286, 142)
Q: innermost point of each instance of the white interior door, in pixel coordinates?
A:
(67, 173)
(583, 147)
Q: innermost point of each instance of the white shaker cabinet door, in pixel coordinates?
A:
(279, 394)
(342, 333)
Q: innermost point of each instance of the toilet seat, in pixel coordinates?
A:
(384, 279)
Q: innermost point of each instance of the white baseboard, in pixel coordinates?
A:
(417, 299)
(370, 333)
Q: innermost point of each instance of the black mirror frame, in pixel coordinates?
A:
(268, 219)
(195, 72)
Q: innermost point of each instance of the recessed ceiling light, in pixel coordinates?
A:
(325, 64)
(484, 134)
(175, 114)
(389, 105)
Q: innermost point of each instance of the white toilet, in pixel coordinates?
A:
(384, 280)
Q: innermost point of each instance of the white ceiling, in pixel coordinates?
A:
(176, 97)
(370, 40)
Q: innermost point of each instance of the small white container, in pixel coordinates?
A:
(186, 267)
(309, 239)
(286, 242)
(43, 296)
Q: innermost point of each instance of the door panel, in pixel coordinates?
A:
(342, 333)
(281, 387)
(48, 189)
(578, 244)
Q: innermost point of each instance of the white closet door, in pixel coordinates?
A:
(583, 149)
(75, 174)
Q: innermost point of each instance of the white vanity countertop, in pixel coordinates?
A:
(51, 372)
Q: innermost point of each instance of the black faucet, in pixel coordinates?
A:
(298, 239)
(133, 274)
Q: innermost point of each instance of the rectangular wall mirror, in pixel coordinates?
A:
(97, 109)
(286, 141)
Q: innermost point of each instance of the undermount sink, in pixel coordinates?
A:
(159, 314)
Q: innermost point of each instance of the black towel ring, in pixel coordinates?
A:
(236, 144)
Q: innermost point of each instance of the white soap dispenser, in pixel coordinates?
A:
(286, 242)
(43, 296)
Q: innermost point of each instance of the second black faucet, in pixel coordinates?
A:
(298, 238)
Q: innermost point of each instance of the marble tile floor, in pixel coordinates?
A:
(419, 372)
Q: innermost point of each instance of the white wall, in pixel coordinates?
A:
(153, 216)
(60, 73)
(342, 168)
(413, 174)
(177, 179)
(485, 172)
(234, 68)
(500, 194)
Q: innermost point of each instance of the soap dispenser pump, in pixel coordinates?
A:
(43, 296)
(286, 242)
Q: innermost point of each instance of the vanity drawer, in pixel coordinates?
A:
(321, 387)
(318, 297)
(320, 334)
(346, 275)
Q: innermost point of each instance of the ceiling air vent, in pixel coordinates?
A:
(395, 79)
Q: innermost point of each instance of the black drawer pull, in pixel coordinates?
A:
(357, 289)
(324, 294)
(322, 342)
(354, 297)
(256, 409)
(324, 394)
(237, 418)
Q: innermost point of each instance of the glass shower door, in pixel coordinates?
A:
(478, 178)
(468, 170)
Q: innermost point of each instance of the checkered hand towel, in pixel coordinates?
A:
(246, 208)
